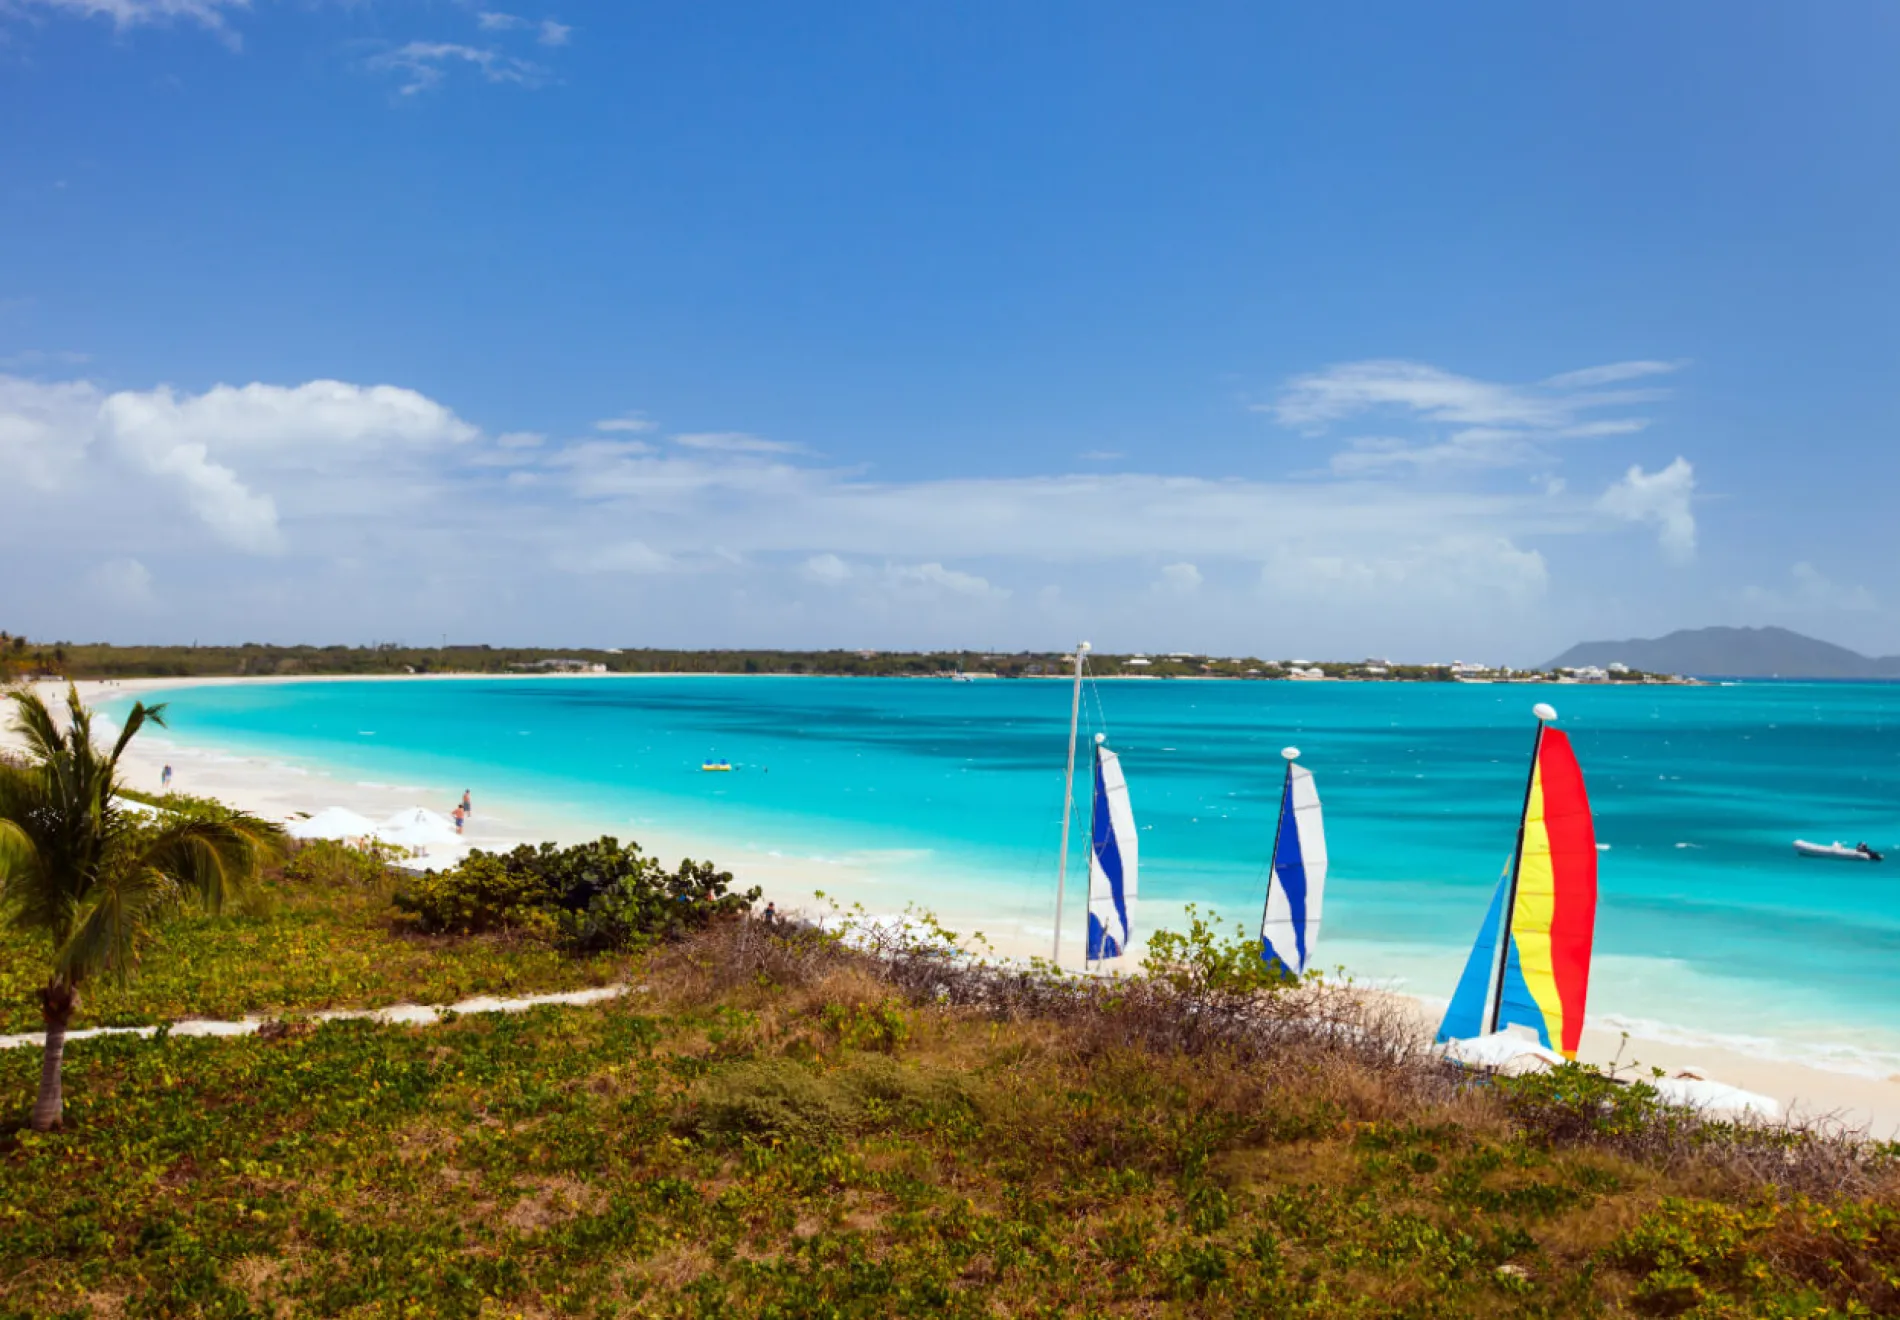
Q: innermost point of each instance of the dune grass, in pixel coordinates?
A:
(778, 1127)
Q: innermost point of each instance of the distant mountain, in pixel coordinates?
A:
(1733, 653)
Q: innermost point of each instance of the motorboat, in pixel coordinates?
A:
(716, 765)
(1860, 852)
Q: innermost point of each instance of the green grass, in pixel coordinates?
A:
(311, 948)
(758, 1141)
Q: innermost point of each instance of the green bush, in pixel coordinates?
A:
(1203, 961)
(328, 864)
(592, 896)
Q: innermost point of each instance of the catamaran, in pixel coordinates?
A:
(1296, 882)
(1531, 964)
(1114, 846)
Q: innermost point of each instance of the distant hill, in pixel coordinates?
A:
(1735, 653)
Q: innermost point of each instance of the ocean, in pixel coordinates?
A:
(1709, 928)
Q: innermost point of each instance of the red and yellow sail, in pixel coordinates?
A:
(1553, 920)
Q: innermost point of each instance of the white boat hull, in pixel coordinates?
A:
(1837, 851)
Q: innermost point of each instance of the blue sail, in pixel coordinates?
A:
(1465, 1018)
(1297, 884)
(1113, 862)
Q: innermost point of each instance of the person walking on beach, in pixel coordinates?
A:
(468, 808)
(460, 816)
(165, 778)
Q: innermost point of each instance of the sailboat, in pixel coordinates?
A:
(1114, 846)
(1296, 882)
(1531, 964)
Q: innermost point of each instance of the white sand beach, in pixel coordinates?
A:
(282, 789)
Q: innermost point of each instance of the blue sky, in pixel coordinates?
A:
(1322, 329)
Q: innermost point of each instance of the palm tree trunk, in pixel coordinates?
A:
(58, 1000)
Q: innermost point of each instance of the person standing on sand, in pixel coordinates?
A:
(459, 818)
(771, 914)
(468, 808)
(165, 778)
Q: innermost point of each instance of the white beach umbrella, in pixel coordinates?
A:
(332, 823)
(1695, 1092)
(417, 827)
(1504, 1052)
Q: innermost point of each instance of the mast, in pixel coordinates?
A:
(1291, 754)
(1543, 713)
(1068, 798)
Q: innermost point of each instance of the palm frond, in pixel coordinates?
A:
(133, 723)
(34, 722)
(105, 937)
(212, 860)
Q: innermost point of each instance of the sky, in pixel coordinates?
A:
(1345, 329)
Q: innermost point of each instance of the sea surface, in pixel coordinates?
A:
(1709, 927)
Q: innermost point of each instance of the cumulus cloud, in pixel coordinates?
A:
(123, 584)
(827, 570)
(1464, 422)
(44, 431)
(1664, 498)
(1809, 590)
(936, 577)
(627, 422)
(1448, 568)
(1182, 579)
(554, 34)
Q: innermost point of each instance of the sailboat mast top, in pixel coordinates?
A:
(1068, 798)
(1544, 714)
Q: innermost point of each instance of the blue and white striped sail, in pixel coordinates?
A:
(1113, 862)
(1297, 885)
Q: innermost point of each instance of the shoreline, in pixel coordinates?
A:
(281, 786)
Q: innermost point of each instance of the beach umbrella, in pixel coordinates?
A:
(1693, 1092)
(417, 827)
(1504, 1052)
(332, 823)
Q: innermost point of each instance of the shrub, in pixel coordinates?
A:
(593, 896)
(329, 864)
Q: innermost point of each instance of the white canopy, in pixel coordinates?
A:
(417, 827)
(332, 823)
(1695, 1092)
(1503, 1051)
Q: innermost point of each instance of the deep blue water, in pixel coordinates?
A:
(1707, 921)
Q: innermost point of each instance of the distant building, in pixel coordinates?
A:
(1618, 667)
(560, 666)
(1138, 661)
(1375, 671)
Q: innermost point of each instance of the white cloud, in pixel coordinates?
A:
(554, 34)
(123, 584)
(138, 13)
(1811, 591)
(424, 64)
(1496, 424)
(1457, 567)
(1590, 377)
(734, 442)
(622, 557)
(936, 577)
(1182, 579)
(632, 422)
(495, 21)
(521, 439)
(44, 432)
(827, 570)
(293, 421)
(1664, 498)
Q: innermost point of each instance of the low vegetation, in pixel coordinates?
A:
(783, 1122)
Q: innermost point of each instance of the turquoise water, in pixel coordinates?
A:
(1708, 922)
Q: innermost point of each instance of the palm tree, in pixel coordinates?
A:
(78, 868)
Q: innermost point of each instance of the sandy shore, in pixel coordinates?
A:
(281, 788)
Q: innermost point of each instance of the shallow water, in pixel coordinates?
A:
(1708, 922)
